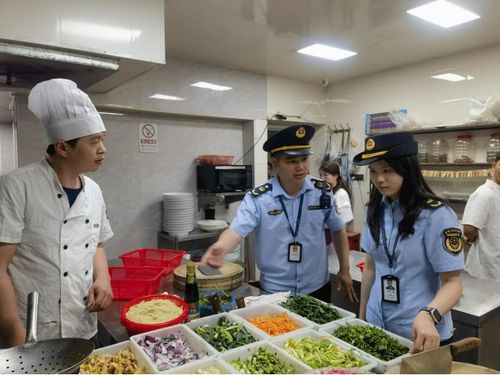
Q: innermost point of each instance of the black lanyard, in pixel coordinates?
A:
(297, 224)
(390, 256)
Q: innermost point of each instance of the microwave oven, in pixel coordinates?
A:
(224, 178)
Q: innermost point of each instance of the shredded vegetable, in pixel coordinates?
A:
(262, 362)
(372, 340)
(311, 308)
(274, 325)
(322, 353)
(225, 335)
(169, 351)
(123, 362)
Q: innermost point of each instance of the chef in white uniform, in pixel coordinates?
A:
(53, 223)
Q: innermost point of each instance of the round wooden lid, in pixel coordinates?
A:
(228, 269)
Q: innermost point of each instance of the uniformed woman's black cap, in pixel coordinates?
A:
(386, 146)
(293, 140)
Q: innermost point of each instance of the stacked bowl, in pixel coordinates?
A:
(178, 213)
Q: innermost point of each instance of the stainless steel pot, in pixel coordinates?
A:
(48, 356)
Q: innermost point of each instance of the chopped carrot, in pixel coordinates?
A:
(274, 325)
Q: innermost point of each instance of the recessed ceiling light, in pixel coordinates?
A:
(452, 77)
(166, 97)
(443, 13)
(211, 86)
(326, 52)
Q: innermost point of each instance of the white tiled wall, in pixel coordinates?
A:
(132, 182)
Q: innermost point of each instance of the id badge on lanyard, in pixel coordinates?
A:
(294, 248)
(389, 283)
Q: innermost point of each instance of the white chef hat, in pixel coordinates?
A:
(65, 111)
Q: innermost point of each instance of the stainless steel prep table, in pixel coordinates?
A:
(110, 329)
(477, 314)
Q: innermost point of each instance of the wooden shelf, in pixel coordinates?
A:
(466, 165)
(457, 128)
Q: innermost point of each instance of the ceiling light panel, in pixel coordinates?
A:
(326, 52)
(166, 97)
(443, 13)
(211, 86)
(452, 77)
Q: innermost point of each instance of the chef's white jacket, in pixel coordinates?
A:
(55, 246)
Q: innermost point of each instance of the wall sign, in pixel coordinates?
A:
(148, 137)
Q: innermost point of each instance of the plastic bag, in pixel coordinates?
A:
(482, 111)
(402, 120)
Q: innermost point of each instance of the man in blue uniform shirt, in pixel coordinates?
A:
(288, 214)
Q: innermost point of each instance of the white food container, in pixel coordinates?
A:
(382, 366)
(200, 365)
(270, 309)
(213, 319)
(195, 342)
(315, 335)
(142, 360)
(246, 351)
(344, 315)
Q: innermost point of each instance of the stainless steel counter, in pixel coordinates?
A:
(481, 297)
(111, 330)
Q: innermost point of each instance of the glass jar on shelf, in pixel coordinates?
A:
(493, 147)
(437, 151)
(422, 152)
(464, 149)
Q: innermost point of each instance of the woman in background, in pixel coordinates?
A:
(413, 243)
(330, 172)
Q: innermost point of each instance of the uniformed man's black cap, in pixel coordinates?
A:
(386, 146)
(293, 140)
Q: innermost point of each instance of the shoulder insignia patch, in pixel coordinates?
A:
(432, 203)
(261, 189)
(319, 184)
(452, 240)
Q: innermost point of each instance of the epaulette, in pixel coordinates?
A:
(261, 189)
(320, 184)
(433, 203)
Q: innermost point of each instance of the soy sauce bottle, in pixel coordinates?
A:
(191, 295)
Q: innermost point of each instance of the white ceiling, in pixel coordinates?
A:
(264, 35)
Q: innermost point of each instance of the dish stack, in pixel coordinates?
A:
(178, 213)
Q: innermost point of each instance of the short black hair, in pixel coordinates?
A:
(72, 142)
(497, 157)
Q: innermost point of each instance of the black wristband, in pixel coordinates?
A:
(434, 313)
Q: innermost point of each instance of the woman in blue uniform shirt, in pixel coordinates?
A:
(413, 242)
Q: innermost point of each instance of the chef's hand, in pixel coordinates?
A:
(425, 334)
(214, 256)
(344, 280)
(100, 295)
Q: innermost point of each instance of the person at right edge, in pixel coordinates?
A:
(288, 213)
(481, 221)
(412, 239)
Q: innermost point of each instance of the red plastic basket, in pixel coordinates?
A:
(133, 282)
(168, 259)
(136, 328)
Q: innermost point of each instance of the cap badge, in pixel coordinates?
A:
(301, 132)
(370, 144)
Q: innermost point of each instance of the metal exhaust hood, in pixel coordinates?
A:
(23, 65)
